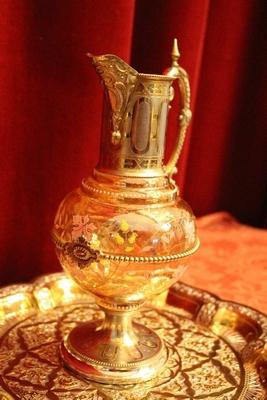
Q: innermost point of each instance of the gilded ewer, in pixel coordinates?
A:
(125, 235)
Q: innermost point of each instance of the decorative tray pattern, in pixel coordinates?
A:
(217, 348)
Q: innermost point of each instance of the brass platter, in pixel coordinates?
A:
(218, 348)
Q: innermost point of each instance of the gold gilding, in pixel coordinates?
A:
(201, 364)
(125, 235)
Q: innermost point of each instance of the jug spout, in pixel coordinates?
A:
(135, 117)
(119, 80)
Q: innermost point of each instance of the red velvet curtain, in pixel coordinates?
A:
(51, 102)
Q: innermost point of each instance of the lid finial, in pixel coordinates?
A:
(175, 53)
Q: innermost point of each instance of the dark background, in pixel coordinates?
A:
(51, 102)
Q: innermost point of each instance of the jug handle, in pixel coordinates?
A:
(185, 114)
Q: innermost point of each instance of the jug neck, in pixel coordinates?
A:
(134, 119)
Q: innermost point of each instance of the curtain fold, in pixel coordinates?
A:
(51, 105)
(186, 20)
(223, 154)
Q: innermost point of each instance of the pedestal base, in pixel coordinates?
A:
(91, 351)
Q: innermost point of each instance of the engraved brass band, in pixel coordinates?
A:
(167, 195)
(118, 188)
(118, 307)
(98, 363)
(153, 259)
(136, 259)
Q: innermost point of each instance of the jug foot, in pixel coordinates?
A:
(91, 353)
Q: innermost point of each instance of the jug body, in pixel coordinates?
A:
(126, 226)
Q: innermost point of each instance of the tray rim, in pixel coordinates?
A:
(29, 287)
(206, 299)
(203, 295)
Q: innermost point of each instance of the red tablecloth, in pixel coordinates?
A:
(231, 262)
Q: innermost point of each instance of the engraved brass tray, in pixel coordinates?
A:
(216, 347)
